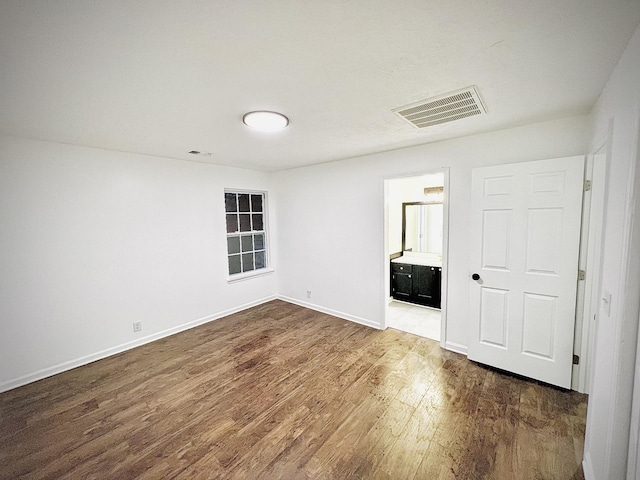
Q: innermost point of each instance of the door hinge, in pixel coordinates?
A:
(576, 360)
(587, 185)
(582, 274)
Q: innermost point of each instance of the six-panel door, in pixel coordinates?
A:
(526, 233)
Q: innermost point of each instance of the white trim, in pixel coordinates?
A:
(386, 267)
(633, 441)
(266, 232)
(594, 264)
(620, 407)
(582, 290)
(239, 277)
(591, 234)
(633, 458)
(587, 468)
(445, 246)
(78, 362)
(444, 279)
(329, 311)
(456, 347)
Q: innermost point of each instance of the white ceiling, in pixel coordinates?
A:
(166, 77)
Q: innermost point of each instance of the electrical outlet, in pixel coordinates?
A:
(308, 293)
(137, 326)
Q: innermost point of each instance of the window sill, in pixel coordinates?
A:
(239, 277)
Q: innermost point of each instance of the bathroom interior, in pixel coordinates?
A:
(416, 227)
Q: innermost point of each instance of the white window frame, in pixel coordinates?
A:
(235, 277)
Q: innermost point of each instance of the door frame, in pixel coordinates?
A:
(445, 247)
(633, 449)
(591, 237)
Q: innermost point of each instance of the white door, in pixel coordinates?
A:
(524, 264)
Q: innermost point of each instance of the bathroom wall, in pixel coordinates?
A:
(407, 189)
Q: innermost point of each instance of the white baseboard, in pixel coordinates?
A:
(63, 367)
(456, 347)
(329, 311)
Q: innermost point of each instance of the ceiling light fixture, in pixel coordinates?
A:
(265, 121)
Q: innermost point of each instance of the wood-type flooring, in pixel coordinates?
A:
(282, 392)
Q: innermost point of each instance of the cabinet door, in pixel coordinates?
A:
(401, 285)
(426, 286)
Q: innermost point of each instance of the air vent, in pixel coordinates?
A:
(443, 109)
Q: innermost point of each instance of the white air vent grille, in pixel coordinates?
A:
(442, 109)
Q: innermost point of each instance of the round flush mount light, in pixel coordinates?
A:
(265, 121)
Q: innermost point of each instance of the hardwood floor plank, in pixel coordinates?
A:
(404, 457)
(382, 437)
(282, 392)
(348, 440)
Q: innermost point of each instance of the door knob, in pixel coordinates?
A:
(475, 276)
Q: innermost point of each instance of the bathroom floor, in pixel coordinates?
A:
(422, 321)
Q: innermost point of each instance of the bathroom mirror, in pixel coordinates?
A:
(422, 227)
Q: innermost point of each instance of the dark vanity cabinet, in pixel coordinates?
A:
(426, 285)
(402, 281)
(416, 284)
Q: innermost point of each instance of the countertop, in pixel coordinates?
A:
(430, 260)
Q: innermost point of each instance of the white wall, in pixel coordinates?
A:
(331, 233)
(93, 240)
(612, 377)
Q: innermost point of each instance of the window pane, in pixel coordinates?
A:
(245, 222)
(243, 202)
(233, 245)
(245, 216)
(232, 223)
(258, 241)
(247, 262)
(230, 203)
(257, 221)
(256, 203)
(234, 264)
(260, 260)
(247, 243)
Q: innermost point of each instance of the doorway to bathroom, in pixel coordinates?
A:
(415, 254)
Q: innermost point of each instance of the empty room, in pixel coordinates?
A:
(319, 240)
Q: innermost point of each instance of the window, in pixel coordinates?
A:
(246, 231)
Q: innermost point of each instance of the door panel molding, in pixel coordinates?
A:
(529, 255)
